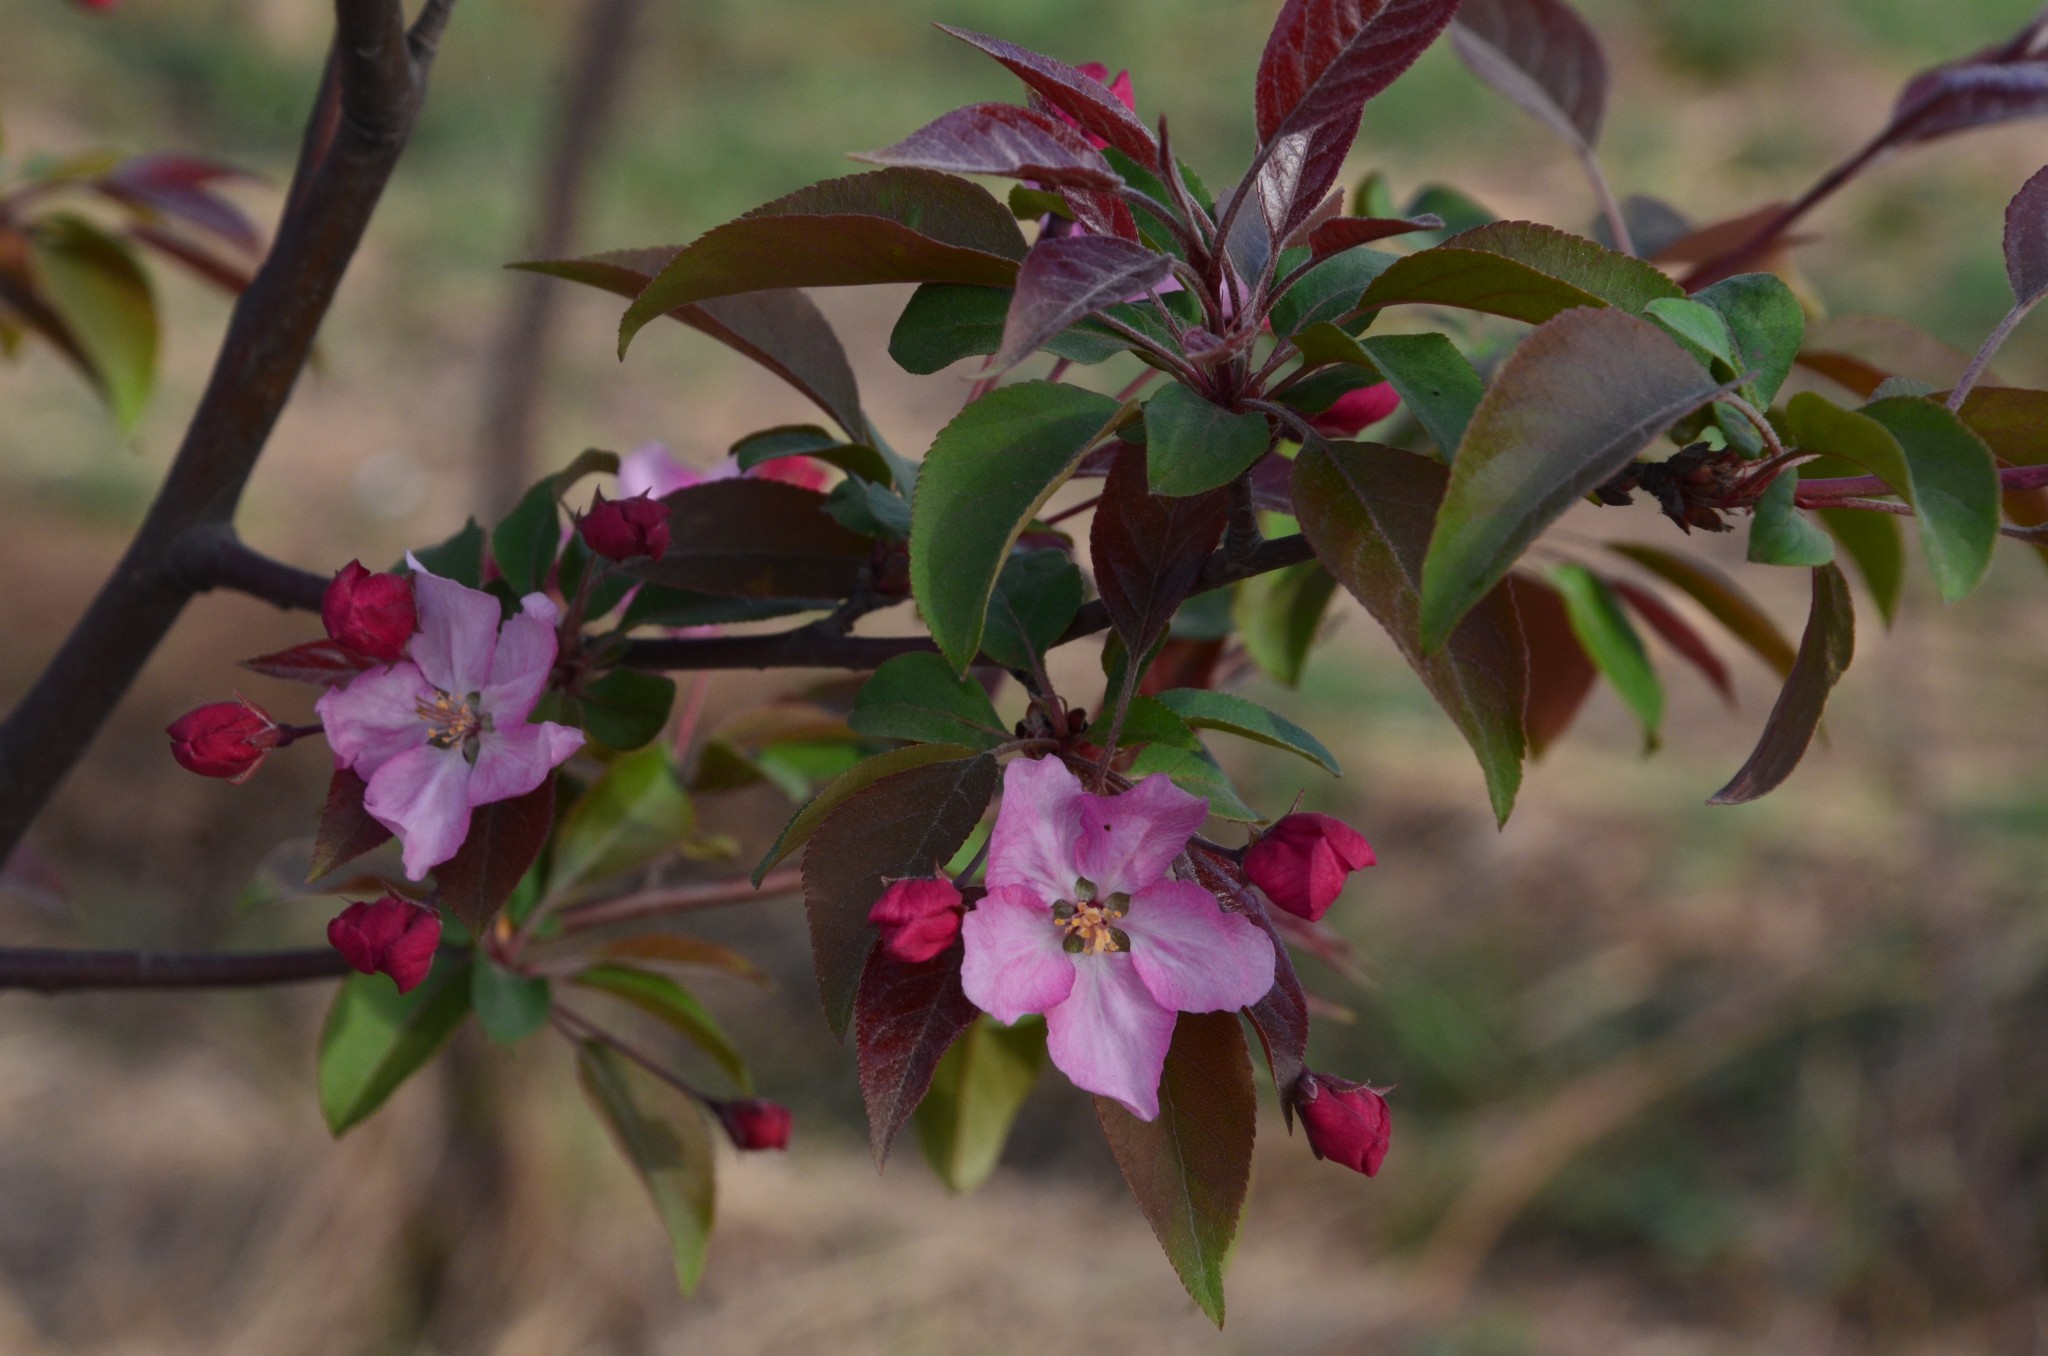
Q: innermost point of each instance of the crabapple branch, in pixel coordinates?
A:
(377, 75)
(48, 971)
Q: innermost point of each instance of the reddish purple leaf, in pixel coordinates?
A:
(751, 537)
(1003, 139)
(216, 270)
(1148, 548)
(897, 827)
(1191, 1167)
(1998, 85)
(1824, 653)
(1281, 1017)
(346, 829)
(1069, 278)
(319, 662)
(1101, 213)
(1325, 59)
(505, 839)
(2026, 240)
(779, 328)
(1561, 673)
(173, 185)
(894, 225)
(1540, 56)
(1086, 100)
(1334, 237)
(905, 1019)
(1678, 633)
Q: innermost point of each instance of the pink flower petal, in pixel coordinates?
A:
(512, 761)
(1110, 1036)
(649, 469)
(458, 632)
(1192, 955)
(375, 717)
(522, 662)
(1128, 841)
(1013, 963)
(1032, 844)
(422, 796)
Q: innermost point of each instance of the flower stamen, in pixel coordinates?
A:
(451, 721)
(1091, 927)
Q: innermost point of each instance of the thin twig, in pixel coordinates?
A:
(51, 970)
(1982, 362)
(1603, 193)
(678, 899)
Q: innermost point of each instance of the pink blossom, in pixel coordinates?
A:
(1083, 924)
(445, 729)
(651, 469)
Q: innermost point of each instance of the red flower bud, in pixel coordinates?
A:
(1302, 861)
(1356, 410)
(1346, 1123)
(918, 918)
(371, 614)
(392, 936)
(755, 1123)
(624, 529)
(224, 739)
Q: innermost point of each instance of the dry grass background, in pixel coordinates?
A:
(1672, 1080)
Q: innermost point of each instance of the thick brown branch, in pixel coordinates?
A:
(358, 128)
(810, 648)
(49, 971)
(213, 557)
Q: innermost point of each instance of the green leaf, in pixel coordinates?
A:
(376, 1037)
(460, 558)
(672, 1153)
(1435, 381)
(1193, 446)
(1459, 210)
(675, 1007)
(1723, 599)
(945, 322)
(1611, 640)
(1878, 546)
(1147, 721)
(622, 710)
(1519, 270)
(91, 281)
(986, 476)
(509, 1006)
(1191, 1166)
(806, 820)
(524, 544)
(1329, 290)
(630, 816)
(1035, 599)
(1824, 654)
(808, 440)
(1204, 709)
(918, 697)
(1697, 326)
(1779, 534)
(1197, 773)
(894, 225)
(1571, 407)
(1367, 511)
(870, 509)
(1279, 616)
(975, 1096)
(1955, 490)
(1768, 325)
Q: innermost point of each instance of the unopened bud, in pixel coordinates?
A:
(371, 614)
(1345, 1122)
(626, 529)
(1302, 862)
(1356, 411)
(390, 936)
(755, 1123)
(918, 919)
(224, 739)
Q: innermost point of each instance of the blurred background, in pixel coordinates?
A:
(1670, 1079)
